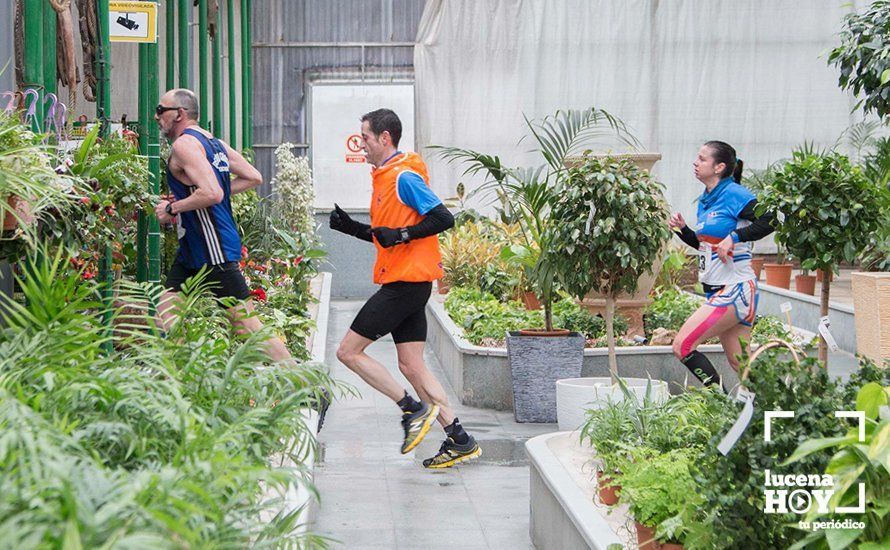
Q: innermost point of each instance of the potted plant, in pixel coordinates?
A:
(778, 274)
(657, 487)
(610, 220)
(855, 463)
(805, 283)
(609, 430)
(539, 356)
(827, 210)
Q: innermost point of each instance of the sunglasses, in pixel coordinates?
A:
(160, 109)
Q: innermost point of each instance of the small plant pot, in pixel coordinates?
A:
(21, 208)
(805, 284)
(671, 546)
(608, 493)
(646, 537)
(778, 275)
(531, 301)
(544, 332)
(757, 265)
(819, 276)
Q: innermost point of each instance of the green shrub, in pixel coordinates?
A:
(669, 309)
(486, 320)
(769, 327)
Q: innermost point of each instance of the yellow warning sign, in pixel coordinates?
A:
(132, 21)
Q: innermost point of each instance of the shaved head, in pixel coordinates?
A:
(182, 97)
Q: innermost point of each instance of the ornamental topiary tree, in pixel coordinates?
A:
(827, 211)
(607, 227)
(864, 57)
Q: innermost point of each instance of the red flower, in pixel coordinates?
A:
(243, 251)
(88, 275)
(297, 260)
(259, 294)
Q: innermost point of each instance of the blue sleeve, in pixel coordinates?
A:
(741, 197)
(414, 192)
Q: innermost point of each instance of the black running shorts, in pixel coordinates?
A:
(225, 279)
(398, 308)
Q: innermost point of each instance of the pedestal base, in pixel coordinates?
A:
(632, 310)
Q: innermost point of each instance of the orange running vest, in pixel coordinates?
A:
(419, 260)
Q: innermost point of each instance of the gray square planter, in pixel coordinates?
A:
(536, 363)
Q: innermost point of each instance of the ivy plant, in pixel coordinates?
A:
(827, 209)
(863, 57)
(609, 219)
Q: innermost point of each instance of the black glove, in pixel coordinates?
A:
(388, 236)
(340, 221)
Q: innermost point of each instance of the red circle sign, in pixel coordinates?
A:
(354, 143)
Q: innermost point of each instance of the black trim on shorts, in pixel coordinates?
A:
(397, 308)
(226, 279)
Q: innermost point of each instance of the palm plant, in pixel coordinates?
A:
(527, 193)
(161, 443)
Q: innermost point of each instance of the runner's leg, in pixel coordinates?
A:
(244, 321)
(707, 321)
(422, 380)
(351, 353)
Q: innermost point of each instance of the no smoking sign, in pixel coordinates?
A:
(354, 149)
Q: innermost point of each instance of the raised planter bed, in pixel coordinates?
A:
(805, 313)
(305, 450)
(481, 376)
(563, 511)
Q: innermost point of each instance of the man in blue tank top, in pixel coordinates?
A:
(203, 173)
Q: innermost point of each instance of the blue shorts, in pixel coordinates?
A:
(742, 296)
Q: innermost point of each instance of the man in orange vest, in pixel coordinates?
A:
(406, 217)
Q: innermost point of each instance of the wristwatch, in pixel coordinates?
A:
(169, 209)
(403, 231)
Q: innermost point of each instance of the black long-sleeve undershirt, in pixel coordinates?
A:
(760, 227)
(437, 220)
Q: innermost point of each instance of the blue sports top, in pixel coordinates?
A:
(718, 216)
(207, 236)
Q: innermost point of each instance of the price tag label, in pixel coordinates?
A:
(741, 423)
(824, 326)
(786, 307)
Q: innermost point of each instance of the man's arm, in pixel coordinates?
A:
(244, 175)
(191, 159)
(414, 192)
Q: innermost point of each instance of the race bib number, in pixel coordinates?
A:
(704, 257)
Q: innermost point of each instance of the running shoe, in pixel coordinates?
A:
(416, 425)
(450, 453)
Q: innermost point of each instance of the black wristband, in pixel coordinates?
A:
(169, 209)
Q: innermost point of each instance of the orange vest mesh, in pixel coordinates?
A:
(418, 260)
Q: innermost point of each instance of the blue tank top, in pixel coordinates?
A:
(207, 236)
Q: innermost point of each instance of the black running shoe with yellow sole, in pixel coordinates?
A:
(416, 425)
(450, 453)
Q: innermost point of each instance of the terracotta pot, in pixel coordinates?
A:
(9, 220)
(757, 265)
(531, 301)
(442, 286)
(671, 546)
(646, 537)
(805, 284)
(608, 493)
(544, 332)
(819, 276)
(778, 275)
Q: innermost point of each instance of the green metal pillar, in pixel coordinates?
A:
(103, 110)
(33, 70)
(246, 142)
(203, 92)
(170, 43)
(233, 92)
(184, 46)
(49, 51)
(217, 76)
(154, 163)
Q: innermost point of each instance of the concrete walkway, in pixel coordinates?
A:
(374, 497)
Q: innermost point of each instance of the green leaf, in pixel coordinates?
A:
(810, 446)
(885, 76)
(870, 399)
(838, 539)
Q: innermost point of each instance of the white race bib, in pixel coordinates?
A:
(704, 257)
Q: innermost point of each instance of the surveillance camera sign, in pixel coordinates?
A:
(132, 21)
